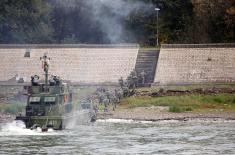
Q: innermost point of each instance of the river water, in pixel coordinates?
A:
(122, 137)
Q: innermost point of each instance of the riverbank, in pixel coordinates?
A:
(151, 105)
(219, 106)
(158, 114)
(150, 114)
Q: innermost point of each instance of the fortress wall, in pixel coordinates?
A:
(195, 64)
(77, 64)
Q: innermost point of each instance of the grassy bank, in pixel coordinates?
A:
(12, 108)
(202, 103)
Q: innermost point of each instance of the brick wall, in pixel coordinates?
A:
(195, 64)
(85, 64)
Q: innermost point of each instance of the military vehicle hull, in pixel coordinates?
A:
(50, 104)
(57, 122)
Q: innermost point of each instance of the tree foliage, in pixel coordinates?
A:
(73, 21)
(24, 21)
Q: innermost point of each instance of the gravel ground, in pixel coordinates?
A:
(161, 113)
(150, 114)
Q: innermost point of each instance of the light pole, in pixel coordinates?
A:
(157, 9)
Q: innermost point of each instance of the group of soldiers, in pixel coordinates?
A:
(110, 97)
(106, 98)
(132, 82)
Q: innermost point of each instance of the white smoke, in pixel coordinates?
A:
(109, 15)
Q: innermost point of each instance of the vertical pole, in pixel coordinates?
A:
(45, 60)
(157, 28)
(46, 79)
(157, 9)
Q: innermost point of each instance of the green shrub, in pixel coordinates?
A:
(175, 109)
(13, 108)
(218, 100)
(233, 101)
(188, 109)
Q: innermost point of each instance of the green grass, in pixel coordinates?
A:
(12, 108)
(178, 109)
(184, 103)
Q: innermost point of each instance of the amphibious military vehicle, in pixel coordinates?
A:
(50, 103)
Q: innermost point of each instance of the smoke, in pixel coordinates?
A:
(109, 16)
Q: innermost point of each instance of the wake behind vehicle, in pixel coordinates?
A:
(50, 104)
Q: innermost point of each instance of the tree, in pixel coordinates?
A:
(130, 21)
(213, 21)
(25, 21)
(174, 17)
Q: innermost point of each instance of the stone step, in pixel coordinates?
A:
(146, 52)
(147, 56)
(153, 55)
(146, 71)
(142, 56)
(147, 60)
(145, 68)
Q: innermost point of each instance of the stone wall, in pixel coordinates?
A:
(194, 64)
(77, 63)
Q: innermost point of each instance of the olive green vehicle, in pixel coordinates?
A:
(50, 104)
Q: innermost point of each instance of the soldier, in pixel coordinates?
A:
(132, 80)
(143, 74)
(117, 95)
(115, 101)
(125, 89)
(121, 82)
(57, 80)
(107, 96)
(106, 102)
(35, 80)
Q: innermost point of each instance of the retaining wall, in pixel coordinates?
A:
(77, 63)
(194, 64)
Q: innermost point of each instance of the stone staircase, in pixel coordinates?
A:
(147, 61)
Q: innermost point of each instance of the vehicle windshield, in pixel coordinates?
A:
(34, 100)
(49, 100)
